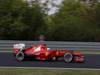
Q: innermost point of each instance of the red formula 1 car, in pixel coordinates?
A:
(41, 52)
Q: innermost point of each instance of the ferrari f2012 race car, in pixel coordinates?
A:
(41, 52)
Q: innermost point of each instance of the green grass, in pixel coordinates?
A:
(88, 51)
(23, 71)
(6, 50)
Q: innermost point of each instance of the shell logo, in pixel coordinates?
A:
(46, 54)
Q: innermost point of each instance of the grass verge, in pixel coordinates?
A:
(88, 51)
(23, 71)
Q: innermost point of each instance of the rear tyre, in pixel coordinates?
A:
(68, 57)
(20, 56)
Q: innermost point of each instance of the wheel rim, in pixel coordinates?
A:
(53, 58)
(68, 57)
(20, 56)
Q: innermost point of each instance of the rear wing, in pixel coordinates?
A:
(19, 46)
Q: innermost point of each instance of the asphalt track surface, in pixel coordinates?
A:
(92, 61)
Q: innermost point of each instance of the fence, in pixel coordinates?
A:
(8, 44)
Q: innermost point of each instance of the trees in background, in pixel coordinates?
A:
(20, 19)
(75, 21)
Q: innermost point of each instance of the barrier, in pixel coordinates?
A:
(8, 44)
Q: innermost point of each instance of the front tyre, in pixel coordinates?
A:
(68, 57)
(20, 56)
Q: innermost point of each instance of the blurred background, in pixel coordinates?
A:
(51, 20)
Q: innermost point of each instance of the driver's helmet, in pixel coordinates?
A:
(43, 46)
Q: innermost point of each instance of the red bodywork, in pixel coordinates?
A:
(41, 52)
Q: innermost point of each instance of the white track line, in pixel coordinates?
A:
(52, 68)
